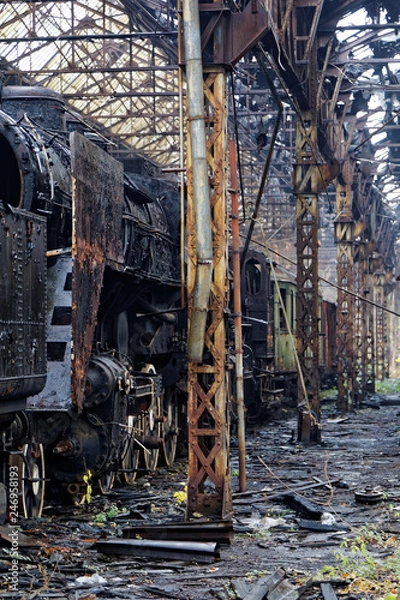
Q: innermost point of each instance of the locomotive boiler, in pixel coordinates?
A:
(91, 329)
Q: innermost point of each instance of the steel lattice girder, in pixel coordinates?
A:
(344, 235)
(306, 185)
(209, 487)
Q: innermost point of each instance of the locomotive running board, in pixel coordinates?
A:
(22, 314)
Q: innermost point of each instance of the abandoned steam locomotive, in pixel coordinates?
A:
(90, 320)
(92, 323)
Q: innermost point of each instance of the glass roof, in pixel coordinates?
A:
(116, 63)
(109, 62)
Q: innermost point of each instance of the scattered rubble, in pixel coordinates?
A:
(299, 530)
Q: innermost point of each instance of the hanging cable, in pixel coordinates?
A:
(269, 156)
(292, 262)
(309, 411)
(236, 128)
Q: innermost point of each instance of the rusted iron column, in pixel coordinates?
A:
(386, 330)
(209, 487)
(209, 483)
(393, 330)
(345, 278)
(226, 37)
(306, 177)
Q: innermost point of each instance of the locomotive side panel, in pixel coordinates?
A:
(23, 306)
(258, 335)
(285, 323)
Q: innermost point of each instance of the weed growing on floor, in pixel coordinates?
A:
(370, 561)
(388, 386)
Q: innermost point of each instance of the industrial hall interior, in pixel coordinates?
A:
(199, 208)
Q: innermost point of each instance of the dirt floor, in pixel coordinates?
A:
(319, 521)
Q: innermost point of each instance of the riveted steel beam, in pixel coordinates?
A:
(344, 235)
(306, 184)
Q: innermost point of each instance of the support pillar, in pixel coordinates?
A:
(209, 480)
(344, 236)
(360, 376)
(369, 312)
(306, 177)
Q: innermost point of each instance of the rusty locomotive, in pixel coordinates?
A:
(91, 334)
(269, 297)
(92, 321)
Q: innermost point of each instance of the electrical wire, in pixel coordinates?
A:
(314, 418)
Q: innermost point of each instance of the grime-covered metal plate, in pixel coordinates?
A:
(97, 181)
(22, 306)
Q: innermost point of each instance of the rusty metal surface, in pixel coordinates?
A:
(97, 216)
(379, 329)
(306, 184)
(369, 329)
(359, 332)
(237, 309)
(245, 29)
(209, 485)
(345, 313)
(23, 304)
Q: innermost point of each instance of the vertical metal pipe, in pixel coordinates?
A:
(181, 162)
(201, 190)
(238, 317)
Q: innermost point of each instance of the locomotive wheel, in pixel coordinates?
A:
(152, 429)
(131, 451)
(170, 426)
(31, 477)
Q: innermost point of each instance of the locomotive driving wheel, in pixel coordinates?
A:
(131, 451)
(28, 466)
(151, 434)
(170, 425)
(150, 430)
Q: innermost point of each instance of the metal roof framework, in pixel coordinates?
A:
(116, 63)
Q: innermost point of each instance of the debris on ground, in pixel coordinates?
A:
(300, 530)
